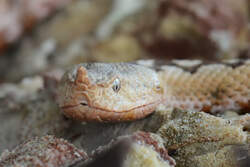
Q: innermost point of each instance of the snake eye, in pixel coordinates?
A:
(116, 85)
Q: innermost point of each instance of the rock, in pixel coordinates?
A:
(28, 110)
(228, 156)
(43, 151)
(60, 41)
(19, 16)
(139, 149)
(189, 136)
(117, 49)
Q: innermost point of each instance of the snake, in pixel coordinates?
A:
(115, 92)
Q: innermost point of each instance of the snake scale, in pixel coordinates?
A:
(112, 92)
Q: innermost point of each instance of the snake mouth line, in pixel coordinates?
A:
(107, 110)
(88, 113)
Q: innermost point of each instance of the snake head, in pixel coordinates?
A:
(108, 92)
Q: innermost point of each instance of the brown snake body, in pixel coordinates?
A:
(126, 91)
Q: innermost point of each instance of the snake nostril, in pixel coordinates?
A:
(83, 103)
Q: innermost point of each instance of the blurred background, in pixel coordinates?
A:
(42, 35)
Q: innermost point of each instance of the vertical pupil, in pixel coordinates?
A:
(116, 85)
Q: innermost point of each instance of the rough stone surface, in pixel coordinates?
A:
(44, 151)
(192, 135)
(138, 149)
(19, 16)
(28, 111)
